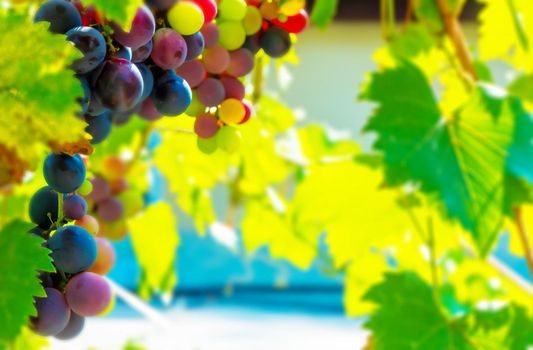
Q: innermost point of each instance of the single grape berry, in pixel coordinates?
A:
(172, 95)
(195, 45)
(88, 294)
(142, 29)
(119, 85)
(53, 313)
(110, 209)
(73, 249)
(101, 189)
(276, 42)
(74, 207)
(91, 44)
(61, 14)
(99, 127)
(105, 258)
(64, 173)
(148, 80)
(170, 49)
(43, 207)
(74, 327)
(142, 53)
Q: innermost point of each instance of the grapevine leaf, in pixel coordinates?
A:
(520, 334)
(262, 225)
(406, 297)
(22, 258)
(155, 241)
(460, 159)
(323, 12)
(37, 94)
(120, 11)
(415, 40)
(521, 151)
(504, 31)
(274, 115)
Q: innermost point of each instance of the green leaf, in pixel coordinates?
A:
(263, 226)
(155, 241)
(323, 12)
(37, 91)
(317, 145)
(520, 334)
(460, 159)
(27, 340)
(416, 39)
(120, 11)
(21, 259)
(407, 317)
(521, 151)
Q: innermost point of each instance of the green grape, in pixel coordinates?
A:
(207, 146)
(232, 10)
(253, 20)
(196, 107)
(229, 139)
(232, 35)
(186, 18)
(85, 188)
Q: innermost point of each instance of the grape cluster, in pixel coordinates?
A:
(187, 56)
(76, 290)
(232, 38)
(113, 199)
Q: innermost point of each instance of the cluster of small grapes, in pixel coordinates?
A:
(231, 39)
(76, 290)
(113, 199)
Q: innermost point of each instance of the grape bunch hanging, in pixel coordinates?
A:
(77, 289)
(178, 57)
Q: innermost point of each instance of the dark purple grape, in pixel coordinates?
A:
(43, 207)
(172, 95)
(84, 101)
(125, 53)
(148, 110)
(74, 327)
(253, 43)
(233, 88)
(101, 189)
(95, 107)
(53, 313)
(142, 29)
(74, 207)
(119, 85)
(88, 294)
(241, 63)
(91, 44)
(110, 209)
(211, 92)
(195, 45)
(170, 49)
(123, 118)
(161, 5)
(193, 72)
(73, 249)
(61, 15)
(142, 53)
(64, 173)
(99, 127)
(211, 34)
(276, 42)
(148, 80)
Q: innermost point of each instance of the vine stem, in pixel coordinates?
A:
(456, 35)
(257, 79)
(522, 232)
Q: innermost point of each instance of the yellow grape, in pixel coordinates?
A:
(186, 18)
(232, 35)
(231, 111)
(229, 139)
(252, 21)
